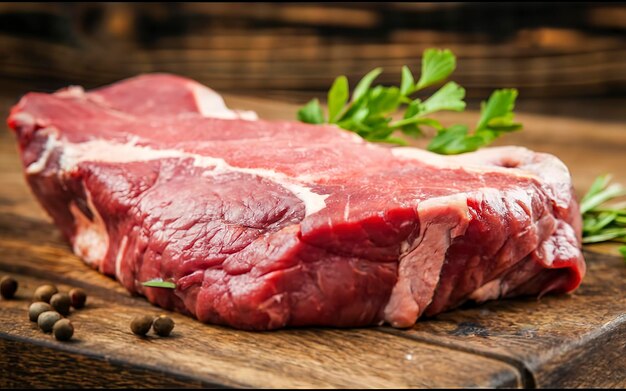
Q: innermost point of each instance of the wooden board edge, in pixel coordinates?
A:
(73, 366)
(527, 379)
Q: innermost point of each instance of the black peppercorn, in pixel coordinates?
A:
(47, 320)
(163, 325)
(63, 330)
(8, 287)
(36, 309)
(61, 303)
(78, 298)
(140, 325)
(45, 292)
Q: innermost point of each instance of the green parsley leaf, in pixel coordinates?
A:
(407, 84)
(454, 140)
(449, 97)
(383, 100)
(311, 113)
(496, 118)
(369, 111)
(337, 98)
(497, 113)
(361, 89)
(437, 65)
(157, 283)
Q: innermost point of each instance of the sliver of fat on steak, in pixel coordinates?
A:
(551, 172)
(51, 143)
(441, 220)
(211, 104)
(111, 152)
(119, 258)
(91, 240)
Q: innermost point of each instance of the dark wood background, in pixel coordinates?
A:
(566, 59)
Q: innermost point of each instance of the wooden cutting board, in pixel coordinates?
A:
(576, 340)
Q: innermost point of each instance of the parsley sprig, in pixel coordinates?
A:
(369, 110)
(159, 283)
(601, 221)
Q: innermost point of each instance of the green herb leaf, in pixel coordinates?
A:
(602, 222)
(592, 200)
(497, 113)
(369, 112)
(311, 113)
(598, 184)
(437, 65)
(365, 83)
(337, 98)
(156, 283)
(413, 109)
(449, 97)
(595, 225)
(407, 84)
(605, 235)
(396, 141)
(496, 118)
(453, 140)
(383, 100)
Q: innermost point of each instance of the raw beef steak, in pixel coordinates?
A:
(264, 224)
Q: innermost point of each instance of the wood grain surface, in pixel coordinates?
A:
(573, 340)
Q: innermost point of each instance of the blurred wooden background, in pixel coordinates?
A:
(565, 58)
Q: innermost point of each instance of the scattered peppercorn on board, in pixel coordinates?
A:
(573, 340)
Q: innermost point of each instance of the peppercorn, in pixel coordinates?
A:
(78, 298)
(47, 320)
(36, 309)
(8, 287)
(61, 303)
(163, 325)
(63, 330)
(45, 292)
(140, 325)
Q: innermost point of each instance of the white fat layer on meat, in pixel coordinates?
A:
(40, 164)
(91, 240)
(531, 164)
(109, 152)
(211, 104)
(510, 160)
(71, 92)
(489, 291)
(119, 258)
(458, 199)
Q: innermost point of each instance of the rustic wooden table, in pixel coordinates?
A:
(575, 340)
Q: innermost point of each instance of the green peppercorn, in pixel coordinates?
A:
(61, 303)
(140, 325)
(78, 298)
(163, 325)
(47, 320)
(8, 287)
(45, 292)
(63, 330)
(36, 309)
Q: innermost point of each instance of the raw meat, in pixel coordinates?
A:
(264, 224)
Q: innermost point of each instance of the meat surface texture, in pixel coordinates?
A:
(265, 224)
